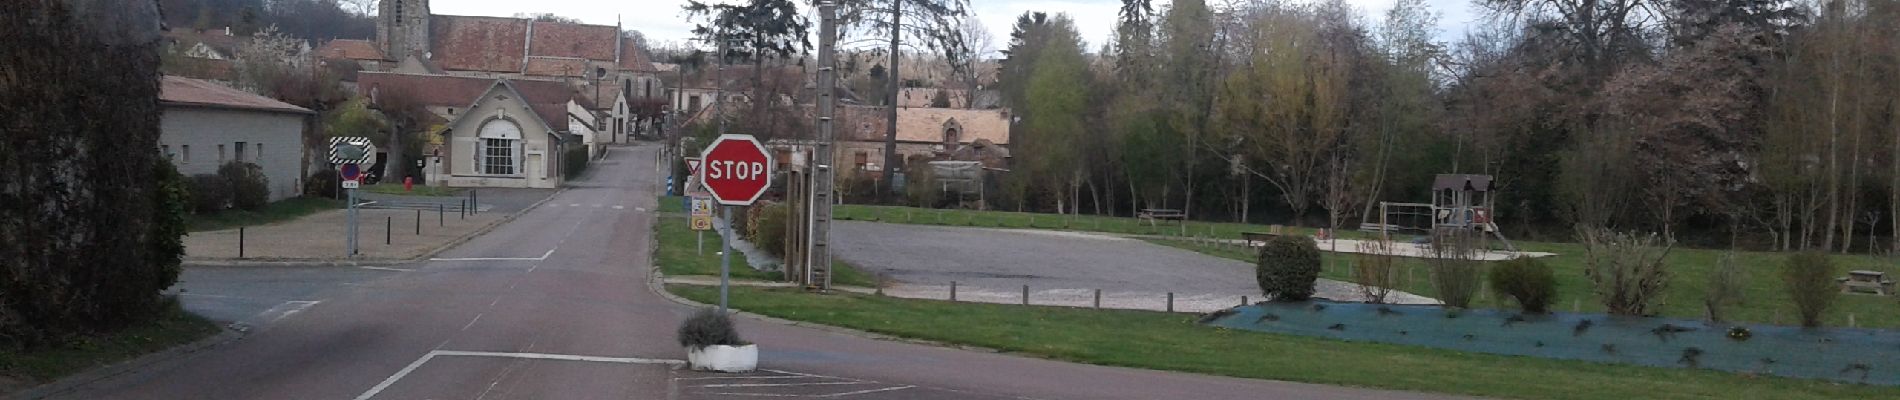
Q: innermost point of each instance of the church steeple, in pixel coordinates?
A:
(402, 27)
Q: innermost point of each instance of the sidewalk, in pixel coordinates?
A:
(321, 237)
(1198, 303)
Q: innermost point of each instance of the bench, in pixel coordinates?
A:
(1870, 281)
(1157, 214)
(1254, 239)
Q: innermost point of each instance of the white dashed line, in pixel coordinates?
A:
(619, 208)
(868, 391)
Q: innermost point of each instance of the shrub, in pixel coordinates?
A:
(708, 327)
(250, 189)
(1288, 267)
(1456, 275)
(1810, 282)
(768, 231)
(170, 202)
(1526, 280)
(1375, 270)
(575, 160)
(1625, 269)
(1725, 286)
(209, 193)
(324, 183)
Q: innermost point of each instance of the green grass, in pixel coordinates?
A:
(679, 255)
(170, 328)
(1765, 300)
(285, 210)
(1172, 342)
(417, 190)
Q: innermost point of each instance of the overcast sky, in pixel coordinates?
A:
(662, 21)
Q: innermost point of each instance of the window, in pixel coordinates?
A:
(862, 159)
(258, 157)
(166, 150)
(240, 152)
(498, 157)
(649, 83)
(498, 150)
(220, 154)
(186, 152)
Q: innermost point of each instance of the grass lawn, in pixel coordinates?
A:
(417, 190)
(1164, 341)
(679, 254)
(285, 210)
(171, 328)
(1765, 300)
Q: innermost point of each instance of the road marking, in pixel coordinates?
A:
(574, 204)
(486, 259)
(640, 209)
(868, 391)
(595, 205)
(287, 309)
(471, 322)
(741, 385)
(759, 394)
(744, 377)
(385, 268)
(406, 370)
(550, 252)
(619, 208)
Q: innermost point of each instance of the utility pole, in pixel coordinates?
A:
(725, 212)
(890, 133)
(818, 262)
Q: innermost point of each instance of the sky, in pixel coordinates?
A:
(662, 22)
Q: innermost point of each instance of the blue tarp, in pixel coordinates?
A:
(1870, 356)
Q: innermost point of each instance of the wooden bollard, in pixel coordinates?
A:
(953, 290)
(1243, 300)
(240, 242)
(1025, 295)
(1170, 301)
(1098, 298)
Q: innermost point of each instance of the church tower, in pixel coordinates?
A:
(402, 27)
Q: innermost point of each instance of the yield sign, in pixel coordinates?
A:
(735, 169)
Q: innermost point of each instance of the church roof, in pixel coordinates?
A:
(497, 44)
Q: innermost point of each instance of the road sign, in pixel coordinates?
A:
(736, 169)
(351, 184)
(350, 172)
(692, 165)
(702, 222)
(347, 150)
(702, 207)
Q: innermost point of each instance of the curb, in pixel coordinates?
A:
(267, 262)
(140, 363)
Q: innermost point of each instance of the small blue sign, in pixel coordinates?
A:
(350, 172)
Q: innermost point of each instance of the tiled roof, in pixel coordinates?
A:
(350, 49)
(548, 99)
(201, 68)
(593, 42)
(466, 43)
(633, 58)
(555, 66)
(921, 97)
(215, 38)
(182, 91)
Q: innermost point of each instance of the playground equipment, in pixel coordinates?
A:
(1460, 202)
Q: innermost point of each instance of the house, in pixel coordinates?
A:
(206, 125)
(497, 132)
(363, 52)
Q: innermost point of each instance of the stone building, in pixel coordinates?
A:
(493, 132)
(206, 125)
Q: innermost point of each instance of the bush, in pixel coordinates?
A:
(1626, 269)
(209, 193)
(324, 183)
(575, 160)
(1375, 269)
(768, 231)
(1810, 282)
(167, 246)
(250, 189)
(1288, 267)
(708, 327)
(1725, 286)
(1528, 281)
(1456, 275)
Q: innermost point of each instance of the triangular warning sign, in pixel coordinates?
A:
(692, 165)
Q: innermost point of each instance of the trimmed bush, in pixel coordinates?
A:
(209, 193)
(1528, 281)
(1810, 283)
(324, 183)
(170, 202)
(1288, 268)
(250, 189)
(708, 327)
(768, 231)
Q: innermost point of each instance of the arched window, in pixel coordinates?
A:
(500, 141)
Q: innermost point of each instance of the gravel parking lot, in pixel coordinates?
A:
(992, 265)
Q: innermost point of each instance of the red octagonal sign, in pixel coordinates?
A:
(736, 169)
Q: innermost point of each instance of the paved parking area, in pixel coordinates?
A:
(786, 384)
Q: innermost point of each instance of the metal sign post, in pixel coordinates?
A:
(350, 173)
(736, 171)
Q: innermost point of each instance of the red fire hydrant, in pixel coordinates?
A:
(408, 183)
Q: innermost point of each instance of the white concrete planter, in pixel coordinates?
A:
(724, 358)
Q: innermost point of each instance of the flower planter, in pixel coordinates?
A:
(724, 358)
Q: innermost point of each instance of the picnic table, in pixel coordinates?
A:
(1873, 281)
(1255, 239)
(1157, 214)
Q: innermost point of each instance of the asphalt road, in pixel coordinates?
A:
(554, 305)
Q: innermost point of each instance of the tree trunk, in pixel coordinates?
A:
(392, 165)
(890, 133)
(1246, 196)
(1893, 185)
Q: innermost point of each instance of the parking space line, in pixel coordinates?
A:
(406, 370)
(868, 391)
(740, 385)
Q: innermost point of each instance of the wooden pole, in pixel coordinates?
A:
(1170, 301)
(1025, 295)
(1098, 298)
(953, 290)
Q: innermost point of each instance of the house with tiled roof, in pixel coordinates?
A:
(363, 52)
(493, 132)
(598, 61)
(206, 125)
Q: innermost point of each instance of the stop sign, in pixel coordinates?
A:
(735, 169)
